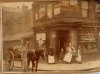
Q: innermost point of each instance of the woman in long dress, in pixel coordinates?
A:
(51, 58)
(79, 57)
(68, 55)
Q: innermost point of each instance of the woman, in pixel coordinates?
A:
(79, 58)
(51, 58)
(68, 55)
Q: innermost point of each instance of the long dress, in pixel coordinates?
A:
(51, 59)
(68, 55)
(79, 58)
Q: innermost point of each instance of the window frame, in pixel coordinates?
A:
(70, 2)
(87, 8)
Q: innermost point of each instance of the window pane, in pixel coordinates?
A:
(84, 13)
(65, 2)
(49, 10)
(73, 2)
(56, 10)
(84, 4)
(42, 12)
(36, 16)
(97, 9)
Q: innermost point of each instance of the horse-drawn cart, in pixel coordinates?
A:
(12, 56)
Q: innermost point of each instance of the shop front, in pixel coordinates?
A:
(89, 43)
(57, 39)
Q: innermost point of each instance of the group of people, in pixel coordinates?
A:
(72, 54)
(69, 56)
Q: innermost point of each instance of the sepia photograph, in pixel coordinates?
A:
(50, 36)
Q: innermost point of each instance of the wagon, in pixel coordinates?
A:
(12, 56)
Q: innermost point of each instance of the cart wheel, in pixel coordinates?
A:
(9, 64)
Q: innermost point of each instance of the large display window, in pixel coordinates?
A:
(88, 40)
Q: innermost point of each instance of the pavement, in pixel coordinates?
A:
(85, 66)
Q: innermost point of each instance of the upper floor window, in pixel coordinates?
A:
(97, 9)
(84, 8)
(36, 16)
(73, 2)
(42, 12)
(65, 2)
(56, 10)
(49, 10)
(69, 2)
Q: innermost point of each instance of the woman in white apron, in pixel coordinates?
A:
(68, 55)
(51, 58)
(79, 57)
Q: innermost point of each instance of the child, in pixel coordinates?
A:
(79, 58)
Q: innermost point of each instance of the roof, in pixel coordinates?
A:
(17, 36)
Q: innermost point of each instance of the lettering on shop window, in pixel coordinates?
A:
(88, 42)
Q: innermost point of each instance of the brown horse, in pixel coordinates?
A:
(34, 56)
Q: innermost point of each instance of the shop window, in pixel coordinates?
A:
(42, 12)
(73, 2)
(84, 8)
(49, 10)
(88, 40)
(41, 38)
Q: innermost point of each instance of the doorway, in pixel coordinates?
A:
(62, 41)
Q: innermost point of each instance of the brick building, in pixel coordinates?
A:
(58, 22)
(17, 25)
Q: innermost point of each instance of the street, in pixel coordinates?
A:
(85, 66)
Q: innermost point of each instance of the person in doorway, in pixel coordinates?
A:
(62, 54)
(24, 56)
(51, 59)
(79, 57)
(69, 54)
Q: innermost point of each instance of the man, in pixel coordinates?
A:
(24, 56)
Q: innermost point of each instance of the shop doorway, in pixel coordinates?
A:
(63, 40)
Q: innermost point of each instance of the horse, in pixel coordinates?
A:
(34, 56)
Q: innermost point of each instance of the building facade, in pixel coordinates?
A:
(17, 26)
(56, 23)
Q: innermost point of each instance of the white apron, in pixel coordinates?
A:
(79, 58)
(51, 59)
(68, 56)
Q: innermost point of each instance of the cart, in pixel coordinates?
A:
(12, 55)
